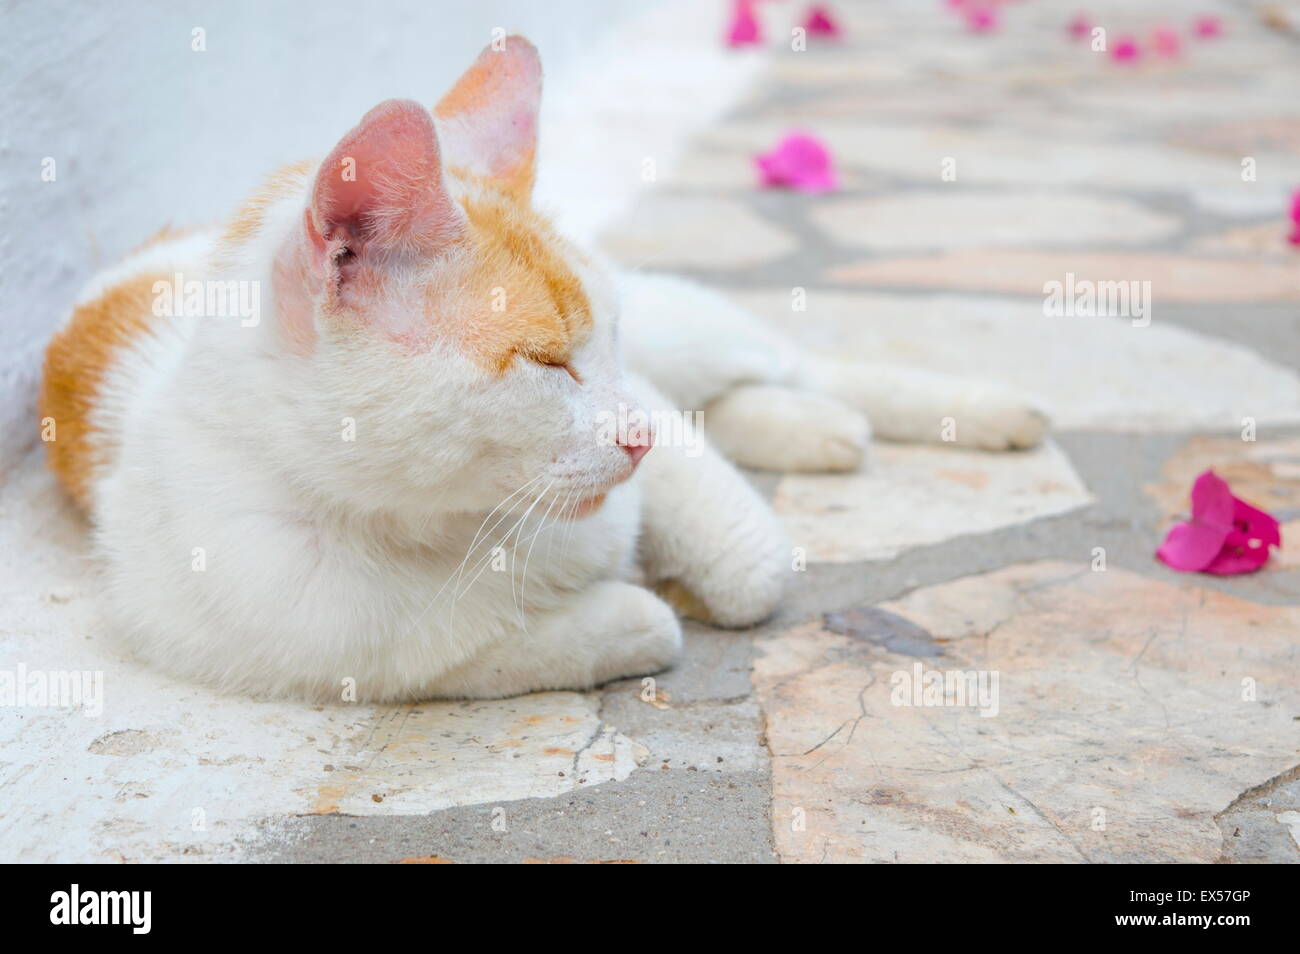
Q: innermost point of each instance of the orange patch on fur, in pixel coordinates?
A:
(76, 361)
(477, 89)
(532, 304)
(247, 221)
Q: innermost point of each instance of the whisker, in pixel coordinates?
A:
(523, 582)
(514, 550)
(457, 573)
(459, 570)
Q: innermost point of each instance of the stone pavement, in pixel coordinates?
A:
(1138, 714)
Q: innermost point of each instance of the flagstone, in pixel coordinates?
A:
(697, 232)
(1088, 372)
(1125, 715)
(912, 495)
(1174, 278)
(1239, 92)
(1244, 137)
(1247, 200)
(938, 219)
(1287, 557)
(1267, 240)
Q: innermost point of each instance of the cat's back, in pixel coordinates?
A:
(107, 350)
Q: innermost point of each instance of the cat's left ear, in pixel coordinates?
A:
(487, 123)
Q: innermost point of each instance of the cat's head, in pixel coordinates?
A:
(472, 346)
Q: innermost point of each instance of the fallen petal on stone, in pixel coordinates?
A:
(1212, 501)
(1079, 27)
(982, 19)
(744, 29)
(1126, 50)
(1166, 42)
(819, 23)
(800, 162)
(1207, 27)
(1225, 535)
(1190, 547)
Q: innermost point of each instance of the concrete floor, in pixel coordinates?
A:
(1125, 733)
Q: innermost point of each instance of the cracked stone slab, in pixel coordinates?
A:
(913, 495)
(1263, 824)
(171, 771)
(1127, 714)
(1089, 372)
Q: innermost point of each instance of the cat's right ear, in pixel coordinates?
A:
(380, 195)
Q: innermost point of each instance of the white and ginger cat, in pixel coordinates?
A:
(398, 475)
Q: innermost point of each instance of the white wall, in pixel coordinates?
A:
(146, 132)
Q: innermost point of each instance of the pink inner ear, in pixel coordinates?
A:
(488, 120)
(382, 186)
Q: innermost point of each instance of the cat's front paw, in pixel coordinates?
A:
(649, 638)
(997, 418)
(744, 587)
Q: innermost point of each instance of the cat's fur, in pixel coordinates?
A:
(393, 485)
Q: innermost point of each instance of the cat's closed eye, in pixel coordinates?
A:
(562, 366)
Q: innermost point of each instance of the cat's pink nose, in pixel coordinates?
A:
(637, 450)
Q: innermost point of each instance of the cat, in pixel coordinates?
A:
(395, 478)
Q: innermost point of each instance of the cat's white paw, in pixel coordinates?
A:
(649, 638)
(778, 428)
(992, 417)
(746, 586)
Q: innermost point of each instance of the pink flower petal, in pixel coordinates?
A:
(1166, 42)
(1254, 524)
(1207, 27)
(982, 19)
(1237, 559)
(744, 29)
(1225, 536)
(1189, 546)
(1126, 50)
(819, 23)
(1212, 501)
(800, 162)
(1080, 28)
